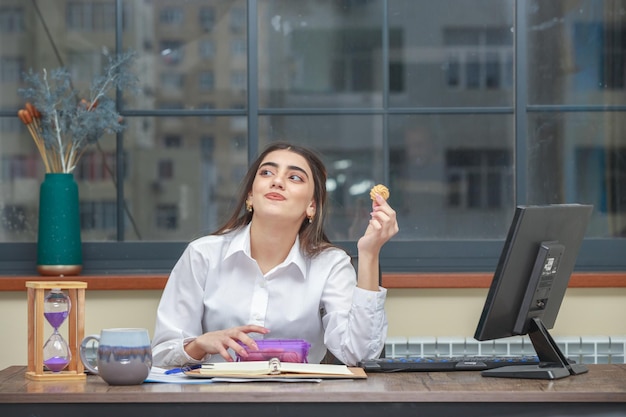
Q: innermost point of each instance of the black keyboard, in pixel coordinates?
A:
(433, 364)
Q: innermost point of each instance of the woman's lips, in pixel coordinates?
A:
(274, 196)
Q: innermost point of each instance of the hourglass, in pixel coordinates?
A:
(56, 353)
(48, 303)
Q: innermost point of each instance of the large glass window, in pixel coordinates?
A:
(464, 108)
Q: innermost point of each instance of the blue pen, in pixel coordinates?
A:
(183, 369)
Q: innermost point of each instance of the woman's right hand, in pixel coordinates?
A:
(218, 342)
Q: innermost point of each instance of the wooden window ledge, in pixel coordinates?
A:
(483, 280)
(390, 280)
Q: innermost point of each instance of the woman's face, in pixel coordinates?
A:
(283, 187)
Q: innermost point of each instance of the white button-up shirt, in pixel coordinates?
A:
(217, 285)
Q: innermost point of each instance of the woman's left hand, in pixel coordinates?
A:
(382, 227)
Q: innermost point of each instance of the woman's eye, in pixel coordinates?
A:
(296, 177)
(265, 172)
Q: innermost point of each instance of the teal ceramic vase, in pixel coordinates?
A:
(59, 248)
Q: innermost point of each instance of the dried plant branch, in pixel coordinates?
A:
(61, 124)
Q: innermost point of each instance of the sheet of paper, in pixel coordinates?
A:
(158, 375)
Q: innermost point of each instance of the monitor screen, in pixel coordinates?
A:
(529, 284)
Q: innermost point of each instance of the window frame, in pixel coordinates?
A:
(436, 256)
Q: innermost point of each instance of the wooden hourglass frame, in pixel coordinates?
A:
(36, 320)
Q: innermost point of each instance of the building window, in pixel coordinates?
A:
(614, 57)
(609, 70)
(90, 17)
(478, 178)
(616, 181)
(172, 80)
(167, 216)
(98, 215)
(237, 20)
(173, 141)
(396, 77)
(207, 18)
(238, 80)
(171, 15)
(207, 145)
(13, 167)
(165, 169)
(11, 19)
(206, 49)
(238, 47)
(479, 58)
(601, 174)
(96, 166)
(206, 80)
(11, 69)
(11, 125)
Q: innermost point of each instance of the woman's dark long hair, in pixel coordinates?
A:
(313, 239)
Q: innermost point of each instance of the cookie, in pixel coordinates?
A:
(379, 189)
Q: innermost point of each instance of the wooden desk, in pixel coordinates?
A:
(600, 392)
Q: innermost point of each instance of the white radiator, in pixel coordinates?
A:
(582, 349)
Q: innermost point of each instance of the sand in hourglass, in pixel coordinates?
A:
(56, 363)
(59, 354)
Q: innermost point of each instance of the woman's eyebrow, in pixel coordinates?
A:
(290, 167)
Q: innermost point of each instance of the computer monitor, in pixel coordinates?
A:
(529, 284)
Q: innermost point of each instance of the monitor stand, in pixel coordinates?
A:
(552, 362)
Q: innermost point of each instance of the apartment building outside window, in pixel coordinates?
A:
(464, 109)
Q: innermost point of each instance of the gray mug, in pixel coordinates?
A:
(123, 356)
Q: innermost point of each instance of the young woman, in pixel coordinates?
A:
(271, 272)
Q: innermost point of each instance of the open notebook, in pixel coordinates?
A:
(275, 369)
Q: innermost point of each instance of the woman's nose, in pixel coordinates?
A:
(277, 182)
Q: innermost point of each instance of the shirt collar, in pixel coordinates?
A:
(240, 243)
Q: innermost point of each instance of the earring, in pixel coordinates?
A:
(248, 206)
(310, 218)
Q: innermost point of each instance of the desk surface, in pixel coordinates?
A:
(602, 388)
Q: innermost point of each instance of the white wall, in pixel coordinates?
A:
(411, 312)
